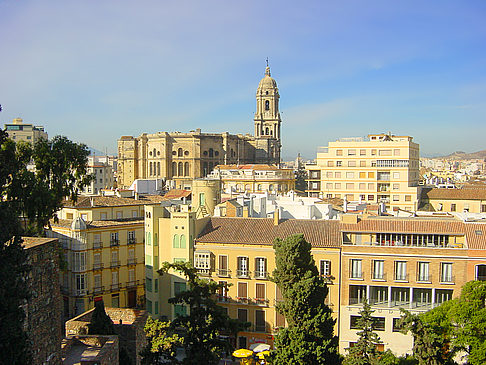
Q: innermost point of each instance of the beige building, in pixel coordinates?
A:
(103, 242)
(253, 178)
(103, 178)
(381, 168)
(454, 200)
(20, 131)
(414, 263)
(185, 156)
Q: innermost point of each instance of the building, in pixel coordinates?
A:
(381, 168)
(90, 349)
(253, 178)
(103, 178)
(238, 252)
(454, 200)
(411, 263)
(20, 131)
(185, 156)
(103, 242)
(43, 310)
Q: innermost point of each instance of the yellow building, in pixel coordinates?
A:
(413, 263)
(239, 252)
(20, 131)
(253, 178)
(185, 156)
(102, 238)
(454, 200)
(381, 168)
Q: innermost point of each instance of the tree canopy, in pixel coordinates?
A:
(309, 337)
(199, 331)
(101, 323)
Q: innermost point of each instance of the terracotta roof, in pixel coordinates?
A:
(66, 223)
(111, 201)
(248, 167)
(476, 235)
(319, 233)
(406, 225)
(29, 242)
(454, 194)
(177, 194)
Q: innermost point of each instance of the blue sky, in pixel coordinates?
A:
(97, 70)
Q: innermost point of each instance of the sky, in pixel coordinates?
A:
(96, 70)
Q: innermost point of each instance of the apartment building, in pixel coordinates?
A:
(253, 178)
(103, 178)
(472, 200)
(380, 168)
(411, 263)
(20, 131)
(103, 243)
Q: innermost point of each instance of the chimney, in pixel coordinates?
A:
(276, 216)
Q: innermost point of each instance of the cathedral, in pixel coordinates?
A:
(185, 156)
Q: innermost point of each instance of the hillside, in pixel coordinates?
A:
(460, 155)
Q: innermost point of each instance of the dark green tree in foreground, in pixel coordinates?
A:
(364, 351)
(309, 337)
(198, 332)
(101, 323)
(28, 200)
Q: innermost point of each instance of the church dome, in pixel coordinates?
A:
(267, 82)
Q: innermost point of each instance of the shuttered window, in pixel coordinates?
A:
(242, 290)
(260, 291)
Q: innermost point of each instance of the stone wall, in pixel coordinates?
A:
(84, 349)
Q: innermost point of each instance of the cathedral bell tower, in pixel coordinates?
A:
(267, 121)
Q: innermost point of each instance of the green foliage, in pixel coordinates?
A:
(101, 323)
(300, 177)
(199, 332)
(309, 337)
(364, 351)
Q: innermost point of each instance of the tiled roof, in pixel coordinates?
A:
(476, 235)
(29, 242)
(66, 223)
(454, 194)
(111, 201)
(319, 233)
(406, 225)
(177, 194)
(248, 167)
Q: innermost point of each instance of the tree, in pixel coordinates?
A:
(28, 199)
(101, 323)
(309, 337)
(198, 332)
(300, 176)
(364, 351)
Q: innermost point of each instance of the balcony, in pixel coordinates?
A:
(243, 274)
(98, 290)
(447, 279)
(381, 276)
(132, 261)
(98, 266)
(260, 328)
(261, 301)
(80, 292)
(422, 277)
(401, 277)
(243, 300)
(131, 240)
(203, 271)
(263, 275)
(328, 279)
(356, 275)
(114, 242)
(97, 245)
(133, 284)
(115, 263)
(224, 273)
(223, 299)
(115, 287)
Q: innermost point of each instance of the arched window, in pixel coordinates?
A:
(270, 187)
(150, 168)
(266, 131)
(271, 132)
(267, 105)
(211, 152)
(179, 152)
(158, 168)
(155, 152)
(175, 241)
(259, 187)
(180, 171)
(205, 168)
(174, 169)
(183, 241)
(186, 169)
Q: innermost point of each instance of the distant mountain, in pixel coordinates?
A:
(460, 155)
(95, 152)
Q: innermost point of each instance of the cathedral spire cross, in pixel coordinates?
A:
(267, 70)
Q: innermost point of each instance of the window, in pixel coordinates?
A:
(483, 208)
(396, 152)
(351, 152)
(328, 174)
(396, 198)
(330, 163)
(371, 186)
(325, 268)
(446, 272)
(131, 237)
(260, 321)
(371, 197)
(148, 284)
(260, 292)
(339, 152)
(179, 288)
(242, 270)
(349, 186)
(379, 323)
(453, 207)
(396, 327)
(362, 164)
(180, 310)
(337, 175)
(373, 152)
(408, 198)
(267, 105)
(243, 315)
(337, 185)
(97, 281)
(242, 290)
(423, 271)
(79, 261)
(371, 175)
(400, 270)
(183, 241)
(362, 152)
(202, 262)
(357, 293)
(339, 163)
(396, 175)
(328, 185)
(356, 272)
(443, 295)
(115, 300)
(260, 268)
(175, 241)
(103, 216)
(84, 217)
(378, 269)
(119, 215)
(131, 275)
(223, 265)
(352, 163)
(114, 238)
(385, 152)
(349, 175)
(362, 175)
(396, 186)
(81, 283)
(362, 186)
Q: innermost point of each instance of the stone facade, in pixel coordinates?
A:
(185, 156)
(96, 350)
(128, 324)
(44, 308)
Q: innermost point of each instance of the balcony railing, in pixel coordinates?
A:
(447, 279)
(133, 284)
(115, 287)
(243, 273)
(98, 290)
(401, 277)
(355, 300)
(481, 277)
(260, 328)
(261, 301)
(131, 240)
(224, 273)
(98, 266)
(132, 261)
(97, 245)
(243, 300)
(223, 298)
(379, 276)
(261, 274)
(115, 263)
(423, 277)
(356, 275)
(114, 242)
(80, 292)
(203, 271)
